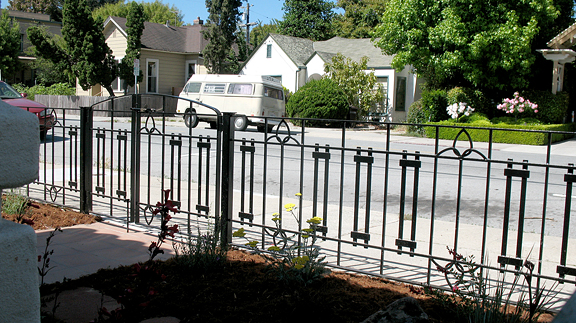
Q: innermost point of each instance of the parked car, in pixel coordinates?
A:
(45, 115)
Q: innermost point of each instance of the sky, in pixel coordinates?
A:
(260, 10)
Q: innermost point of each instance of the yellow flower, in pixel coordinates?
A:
(298, 266)
(252, 244)
(239, 234)
(308, 230)
(289, 206)
(314, 220)
(289, 209)
(275, 219)
(275, 214)
(305, 236)
(274, 248)
(298, 194)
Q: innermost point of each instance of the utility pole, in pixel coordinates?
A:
(246, 16)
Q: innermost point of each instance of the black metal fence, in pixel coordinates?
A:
(390, 204)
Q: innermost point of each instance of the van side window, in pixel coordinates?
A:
(273, 93)
(214, 87)
(240, 89)
(192, 88)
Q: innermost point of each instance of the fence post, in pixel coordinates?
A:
(135, 160)
(227, 179)
(85, 185)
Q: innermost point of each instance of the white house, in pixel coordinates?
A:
(295, 61)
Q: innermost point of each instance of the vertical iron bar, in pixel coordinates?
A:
(415, 200)
(341, 202)
(385, 203)
(458, 202)
(315, 183)
(86, 124)
(135, 161)
(544, 204)
(567, 207)
(506, 213)
(224, 220)
(521, 214)
(433, 206)
(402, 200)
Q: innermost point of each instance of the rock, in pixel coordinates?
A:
(405, 310)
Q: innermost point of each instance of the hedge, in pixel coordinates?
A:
(502, 136)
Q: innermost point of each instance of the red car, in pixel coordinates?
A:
(45, 116)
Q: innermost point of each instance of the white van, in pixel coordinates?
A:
(251, 97)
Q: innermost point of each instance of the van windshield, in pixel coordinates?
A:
(240, 89)
(273, 93)
(192, 88)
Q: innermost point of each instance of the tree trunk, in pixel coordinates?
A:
(110, 90)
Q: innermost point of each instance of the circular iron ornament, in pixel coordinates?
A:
(288, 137)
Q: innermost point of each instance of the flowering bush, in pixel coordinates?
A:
(458, 109)
(517, 105)
(292, 257)
(163, 209)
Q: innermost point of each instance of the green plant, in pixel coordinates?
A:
(473, 299)
(202, 253)
(292, 257)
(416, 116)
(552, 108)
(287, 94)
(54, 89)
(434, 103)
(318, 99)
(14, 203)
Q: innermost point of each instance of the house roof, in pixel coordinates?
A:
(30, 16)
(354, 49)
(298, 49)
(564, 39)
(163, 37)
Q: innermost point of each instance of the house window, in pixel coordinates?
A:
(190, 69)
(400, 94)
(383, 82)
(152, 75)
(118, 84)
(269, 51)
(240, 89)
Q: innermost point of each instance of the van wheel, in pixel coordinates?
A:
(240, 123)
(190, 119)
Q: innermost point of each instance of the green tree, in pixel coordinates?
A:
(221, 34)
(134, 29)
(86, 51)
(260, 31)
(359, 19)
(484, 44)
(311, 19)
(156, 12)
(360, 87)
(48, 72)
(9, 44)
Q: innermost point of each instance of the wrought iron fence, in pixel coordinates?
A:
(390, 204)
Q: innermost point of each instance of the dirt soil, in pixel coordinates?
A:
(237, 290)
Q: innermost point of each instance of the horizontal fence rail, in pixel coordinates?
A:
(390, 205)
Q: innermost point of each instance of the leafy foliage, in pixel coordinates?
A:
(49, 7)
(310, 19)
(54, 89)
(319, 99)
(134, 29)
(486, 45)
(359, 19)
(9, 44)
(219, 56)
(48, 72)
(156, 12)
(361, 89)
(434, 103)
(552, 108)
(260, 31)
(86, 51)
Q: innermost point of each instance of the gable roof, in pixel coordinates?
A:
(298, 49)
(564, 39)
(187, 39)
(354, 49)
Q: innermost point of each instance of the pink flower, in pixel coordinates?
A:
(455, 288)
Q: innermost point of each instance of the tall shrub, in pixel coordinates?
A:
(434, 103)
(318, 99)
(552, 108)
